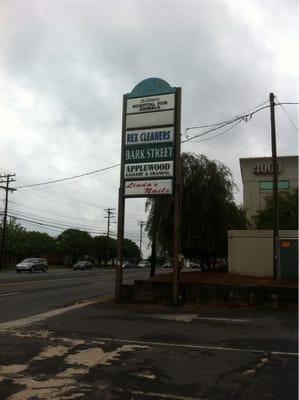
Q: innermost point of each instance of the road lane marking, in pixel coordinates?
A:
(53, 313)
(159, 395)
(172, 317)
(190, 318)
(40, 281)
(10, 294)
(222, 319)
(199, 347)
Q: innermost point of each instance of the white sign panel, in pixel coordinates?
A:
(147, 188)
(149, 170)
(149, 104)
(150, 119)
(148, 136)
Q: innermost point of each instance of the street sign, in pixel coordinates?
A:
(149, 153)
(148, 136)
(148, 188)
(150, 104)
(149, 170)
(150, 159)
(158, 118)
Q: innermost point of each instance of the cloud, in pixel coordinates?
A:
(64, 67)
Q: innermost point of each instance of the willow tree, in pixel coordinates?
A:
(208, 210)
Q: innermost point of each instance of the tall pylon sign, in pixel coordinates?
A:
(150, 157)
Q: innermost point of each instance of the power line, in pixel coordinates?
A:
(220, 123)
(61, 199)
(287, 115)
(48, 220)
(46, 212)
(69, 178)
(219, 134)
(229, 120)
(37, 222)
(244, 117)
(287, 102)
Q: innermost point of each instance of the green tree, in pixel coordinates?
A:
(208, 210)
(38, 244)
(74, 243)
(15, 239)
(21, 243)
(104, 248)
(131, 251)
(288, 212)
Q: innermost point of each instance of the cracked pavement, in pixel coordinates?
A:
(107, 351)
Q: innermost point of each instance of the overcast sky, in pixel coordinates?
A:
(65, 65)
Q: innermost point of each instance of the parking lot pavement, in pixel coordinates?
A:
(107, 351)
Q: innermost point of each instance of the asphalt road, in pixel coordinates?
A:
(25, 294)
(137, 352)
(100, 350)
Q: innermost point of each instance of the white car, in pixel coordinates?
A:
(144, 264)
(32, 265)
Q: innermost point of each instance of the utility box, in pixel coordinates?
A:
(288, 258)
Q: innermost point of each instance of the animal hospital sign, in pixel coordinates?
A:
(149, 136)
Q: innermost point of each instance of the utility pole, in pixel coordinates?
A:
(154, 240)
(7, 179)
(275, 191)
(141, 223)
(110, 214)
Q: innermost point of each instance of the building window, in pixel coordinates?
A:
(268, 185)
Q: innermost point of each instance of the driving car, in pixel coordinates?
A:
(82, 265)
(32, 265)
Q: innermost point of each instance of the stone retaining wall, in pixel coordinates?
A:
(147, 292)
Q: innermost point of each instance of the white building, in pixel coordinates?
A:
(257, 180)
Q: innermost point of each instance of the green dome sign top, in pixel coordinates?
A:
(151, 87)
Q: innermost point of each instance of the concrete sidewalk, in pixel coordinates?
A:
(107, 351)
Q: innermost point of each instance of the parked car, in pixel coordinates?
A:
(127, 264)
(168, 264)
(32, 265)
(82, 265)
(144, 264)
(195, 265)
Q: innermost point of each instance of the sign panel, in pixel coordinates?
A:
(147, 136)
(149, 170)
(149, 153)
(158, 118)
(149, 104)
(148, 188)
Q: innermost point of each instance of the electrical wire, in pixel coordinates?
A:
(47, 212)
(53, 221)
(227, 121)
(287, 115)
(219, 134)
(69, 178)
(37, 222)
(244, 117)
(218, 126)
